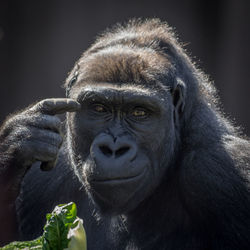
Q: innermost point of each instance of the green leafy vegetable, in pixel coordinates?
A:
(63, 230)
(34, 244)
(57, 227)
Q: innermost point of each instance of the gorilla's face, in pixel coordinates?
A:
(122, 141)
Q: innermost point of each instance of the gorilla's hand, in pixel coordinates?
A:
(29, 136)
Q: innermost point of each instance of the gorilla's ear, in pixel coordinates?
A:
(178, 95)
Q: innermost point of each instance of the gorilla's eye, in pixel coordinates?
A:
(139, 113)
(99, 108)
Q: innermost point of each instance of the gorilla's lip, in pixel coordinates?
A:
(117, 179)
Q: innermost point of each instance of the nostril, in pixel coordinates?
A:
(106, 151)
(121, 151)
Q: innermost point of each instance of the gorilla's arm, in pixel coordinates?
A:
(28, 136)
(41, 191)
(214, 177)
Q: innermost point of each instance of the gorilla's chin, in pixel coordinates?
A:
(115, 196)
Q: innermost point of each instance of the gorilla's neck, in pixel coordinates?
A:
(159, 216)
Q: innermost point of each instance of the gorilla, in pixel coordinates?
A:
(146, 152)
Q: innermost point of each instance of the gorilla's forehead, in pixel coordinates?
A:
(120, 92)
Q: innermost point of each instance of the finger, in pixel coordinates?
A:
(44, 152)
(44, 121)
(55, 106)
(48, 165)
(39, 136)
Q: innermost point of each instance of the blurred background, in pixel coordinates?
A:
(41, 40)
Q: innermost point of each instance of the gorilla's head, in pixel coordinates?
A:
(131, 90)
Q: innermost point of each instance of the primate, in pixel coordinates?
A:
(147, 155)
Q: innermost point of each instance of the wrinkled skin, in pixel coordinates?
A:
(147, 156)
(117, 123)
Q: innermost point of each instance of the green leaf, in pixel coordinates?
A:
(34, 244)
(57, 227)
(63, 230)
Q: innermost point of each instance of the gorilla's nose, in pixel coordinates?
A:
(115, 151)
(104, 146)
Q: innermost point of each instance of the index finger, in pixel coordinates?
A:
(55, 106)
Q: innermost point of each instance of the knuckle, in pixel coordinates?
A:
(46, 106)
(47, 103)
(43, 102)
(40, 106)
(35, 119)
(32, 109)
(59, 141)
(52, 151)
(57, 121)
(22, 133)
(45, 151)
(54, 122)
(56, 139)
(15, 120)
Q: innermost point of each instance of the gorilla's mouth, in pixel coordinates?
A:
(117, 195)
(119, 179)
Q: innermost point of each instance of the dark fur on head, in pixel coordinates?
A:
(145, 51)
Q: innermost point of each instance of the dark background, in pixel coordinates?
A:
(41, 40)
